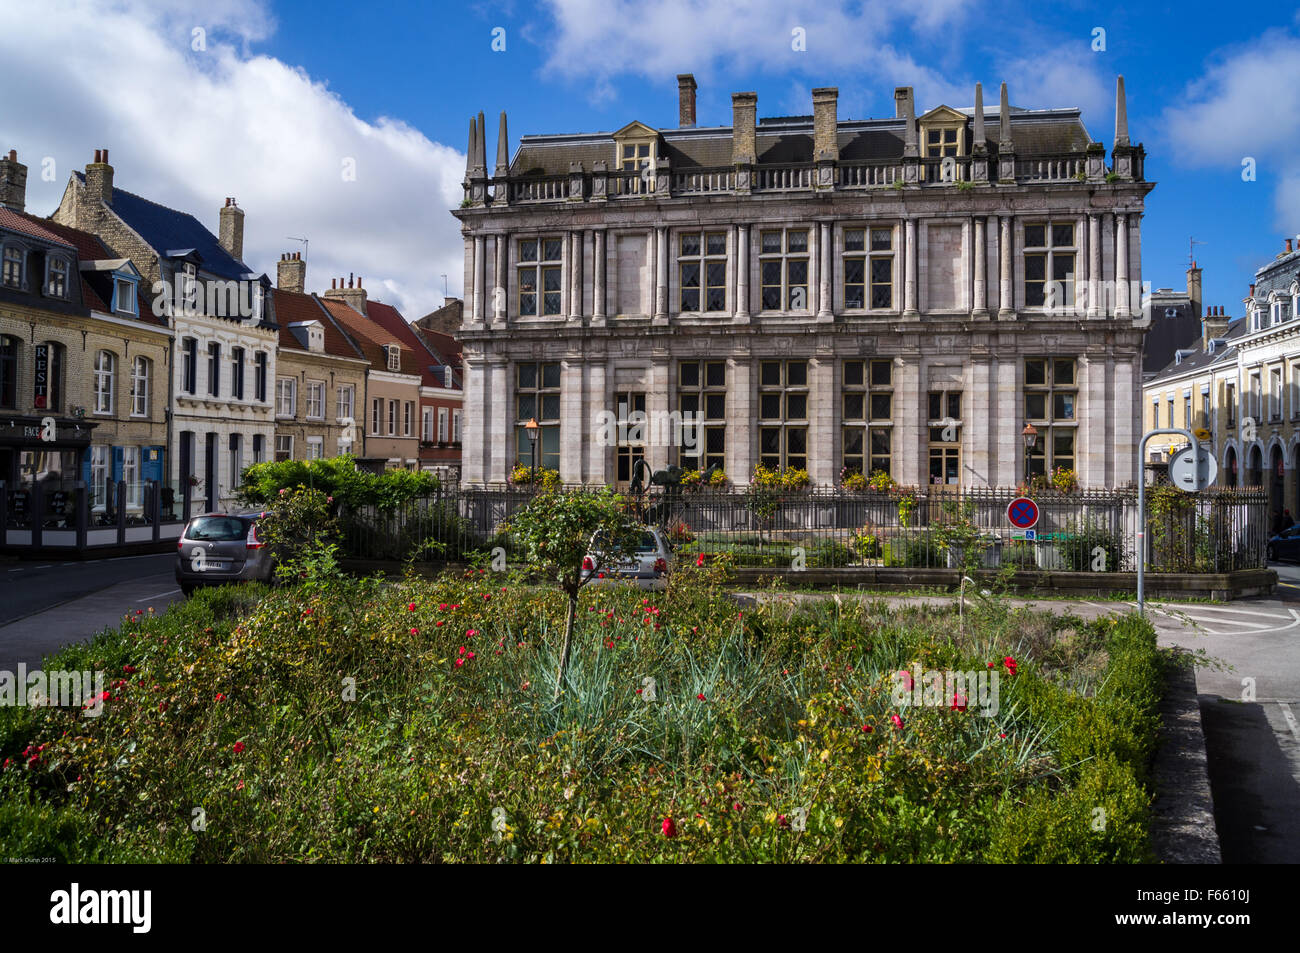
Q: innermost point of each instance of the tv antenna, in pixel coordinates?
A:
(1191, 250)
(306, 245)
(444, 287)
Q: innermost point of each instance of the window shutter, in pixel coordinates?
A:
(118, 454)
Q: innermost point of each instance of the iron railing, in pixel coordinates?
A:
(1084, 530)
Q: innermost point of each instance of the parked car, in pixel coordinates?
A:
(1285, 546)
(646, 568)
(217, 548)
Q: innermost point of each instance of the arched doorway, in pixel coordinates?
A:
(1254, 468)
(1276, 479)
(1230, 468)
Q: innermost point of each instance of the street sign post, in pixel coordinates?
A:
(1193, 473)
(1022, 513)
(1195, 450)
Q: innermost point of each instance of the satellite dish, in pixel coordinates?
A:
(1171, 312)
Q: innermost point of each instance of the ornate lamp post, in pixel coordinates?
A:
(1030, 436)
(534, 432)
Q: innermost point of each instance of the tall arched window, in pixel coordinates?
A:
(8, 372)
(105, 380)
(140, 387)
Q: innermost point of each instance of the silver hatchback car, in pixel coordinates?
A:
(646, 568)
(217, 548)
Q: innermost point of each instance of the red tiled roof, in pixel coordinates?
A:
(391, 320)
(371, 337)
(28, 225)
(292, 307)
(444, 344)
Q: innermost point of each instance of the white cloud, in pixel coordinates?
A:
(707, 37)
(1246, 105)
(186, 128)
(1068, 74)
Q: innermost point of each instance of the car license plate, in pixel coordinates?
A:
(214, 564)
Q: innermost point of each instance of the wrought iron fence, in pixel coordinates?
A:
(1084, 530)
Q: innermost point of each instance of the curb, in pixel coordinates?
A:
(1183, 828)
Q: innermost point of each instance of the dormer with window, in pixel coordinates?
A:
(315, 337)
(943, 133)
(636, 150)
(58, 270)
(393, 354)
(13, 266)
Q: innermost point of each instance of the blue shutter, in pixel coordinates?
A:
(151, 469)
(85, 469)
(118, 453)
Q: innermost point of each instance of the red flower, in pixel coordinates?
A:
(438, 623)
(410, 607)
(1010, 664)
(695, 628)
(469, 655)
(958, 702)
(638, 691)
(867, 728)
(700, 696)
(239, 747)
(415, 631)
(462, 650)
(780, 819)
(128, 669)
(907, 676)
(898, 722)
(306, 612)
(669, 828)
(220, 697)
(1002, 735)
(460, 662)
(699, 560)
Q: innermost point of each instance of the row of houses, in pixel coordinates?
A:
(136, 345)
(1238, 381)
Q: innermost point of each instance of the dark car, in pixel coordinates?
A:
(1285, 546)
(217, 548)
(646, 568)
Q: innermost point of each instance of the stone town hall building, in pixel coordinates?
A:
(898, 294)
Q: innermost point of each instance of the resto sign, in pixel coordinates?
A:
(41, 383)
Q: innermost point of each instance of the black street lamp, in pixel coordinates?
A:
(1031, 440)
(533, 432)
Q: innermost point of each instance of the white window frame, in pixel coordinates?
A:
(315, 448)
(408, 419)
(345, 402)
(317, 388)
(9, 254)
(282, 397)
(57, 266)
(455, 426)
(105, 381)
(783, 257)
(426, 424)
(131, 474)
(377, 416)
(442, 424)
(285, 440)
(140, 387)
(100, 457)
(236, 459)
(394, 356)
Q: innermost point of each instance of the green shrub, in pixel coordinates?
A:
(1078, 549)
(918, 550)
(830, 553)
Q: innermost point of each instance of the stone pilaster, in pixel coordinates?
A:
(662, 255)
(742, 414)
(480, 266)
(1010, 421)
(574, 422)
(1121, 266)
(1006, 299)
(500, 280)
(598, 291)
(822, 418)
(909, 270)
(499, 409)
(824, 302)
(980, 282)
(910, 436)
(742, 275)
(1094, 266)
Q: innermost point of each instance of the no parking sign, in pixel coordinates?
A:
(1022, 513)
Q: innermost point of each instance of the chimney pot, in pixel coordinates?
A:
(686, 100)
(105, 153)
(1288, 246)
(13, 155)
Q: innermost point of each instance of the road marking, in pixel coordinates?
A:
(159, 595)
(1262, 626)
(1290, 719)
(1266, 615)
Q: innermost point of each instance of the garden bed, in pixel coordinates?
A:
(357, 720)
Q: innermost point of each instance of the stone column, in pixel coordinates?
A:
(981, 305)
(597, 400)
(1006, 299)
(480, 265)
(824, 309)
(1010, 421)
(598, 279)
(980, 423)
(742, 275)
(473, 436)
(822, 418)
(576, 248)
(498, 419)
(1094, 265)
(661, 275)
(657, 454)
(1127, 420)
(1122, 304)
(573, 421)
(741, 416)
(500, 280)
(909, 265)
(911, 451)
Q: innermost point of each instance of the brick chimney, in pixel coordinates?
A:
(231, 232)
(826, 143)
(1213, 325)
(291, 272)
(350, 292)
(99, 179)
(685, 100)
(1287, 252)
(744, 135)
(1194, 289)
(13, 182)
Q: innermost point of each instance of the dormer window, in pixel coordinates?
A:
(315, 338)
(12, 274)
(189, 282)
(940, 143)
(257, 304)
(394, 357)
(634, 154)
(124, 296)
(56, 280)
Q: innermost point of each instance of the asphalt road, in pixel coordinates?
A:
(45, 606)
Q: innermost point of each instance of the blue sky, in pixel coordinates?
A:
(284, 88)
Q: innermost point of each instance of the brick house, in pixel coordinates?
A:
(902, 294)
(320, 375)
(76, 347)
(224, 334)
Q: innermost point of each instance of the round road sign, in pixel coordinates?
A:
(1022, 512)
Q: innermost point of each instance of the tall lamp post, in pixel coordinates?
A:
(533, 432)
(1030, 436)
